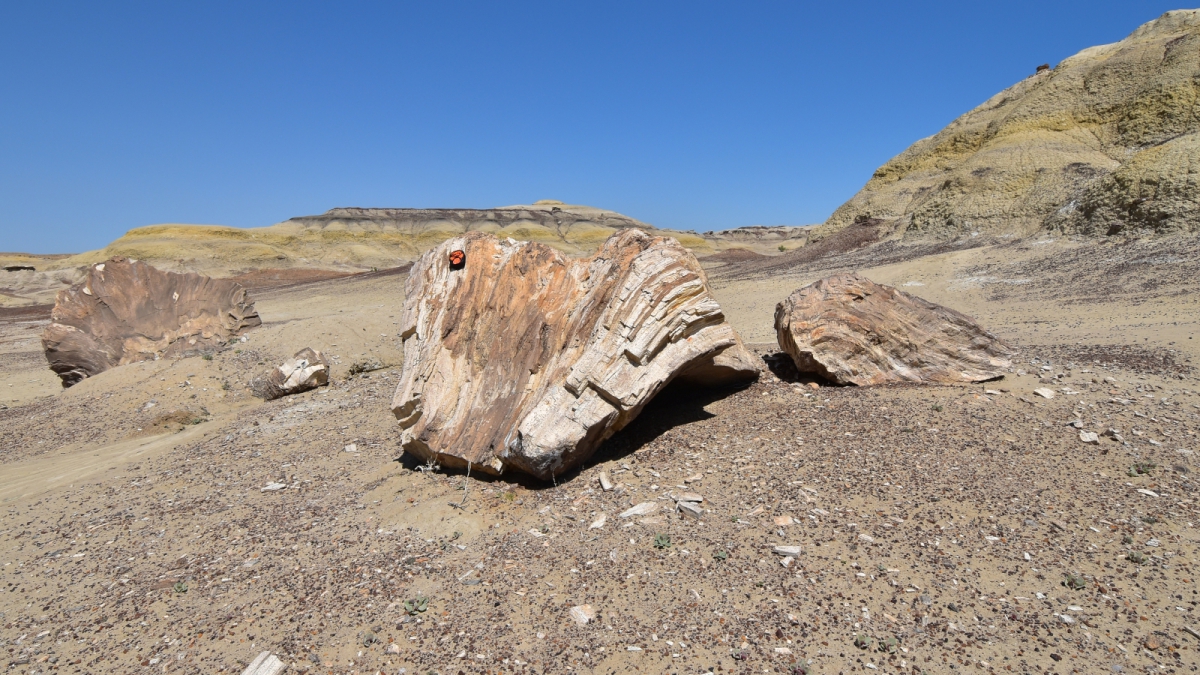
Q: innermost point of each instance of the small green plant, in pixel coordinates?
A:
(759, 584)
(225, 385)
(369, 639)
(800, 669)
(1127, 539)
(781, 248)
(508, 496)
(862, 641)
(416, 605)
(180, 587)
(1150, 520)
(889, 645)
(1141, 469)
(733, 519)
(207, 356)
(937, 407)
(720, 555)
(1136, 557)
(545, 529)
(662, 541)
(1074, 582)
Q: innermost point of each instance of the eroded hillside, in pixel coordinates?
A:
(1104, 143)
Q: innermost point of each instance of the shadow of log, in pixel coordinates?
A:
(677, 405)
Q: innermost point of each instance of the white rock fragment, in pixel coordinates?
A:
(786, 550)
(1044, 392)
(1089, 437)
(784, 521)
(582, 614)
(689, 497)
(265, 664)
(1148, 493)
(690, 509)
(353, 447)
(867, 538)
(271, 487)
(787, 561)
(643, 509)
(599, 522)
(606, 483)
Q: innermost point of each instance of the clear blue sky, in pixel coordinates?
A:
(690, 115)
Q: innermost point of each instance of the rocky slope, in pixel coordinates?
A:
(1104, 143)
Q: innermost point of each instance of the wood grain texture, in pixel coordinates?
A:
(850, 330)
(524, 358)
(126, 311)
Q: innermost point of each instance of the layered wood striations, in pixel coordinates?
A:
(850, 330)
(126, 311)
(525, 358)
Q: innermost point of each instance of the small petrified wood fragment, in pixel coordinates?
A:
(306, 370)
(517, 356)
(127, 311)
(850, 330)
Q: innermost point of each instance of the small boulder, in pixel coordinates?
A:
(306, 370)
(126, 311)
(850, 330)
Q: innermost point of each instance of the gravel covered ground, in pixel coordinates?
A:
(941, 529)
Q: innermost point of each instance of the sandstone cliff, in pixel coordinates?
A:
(1104, 143)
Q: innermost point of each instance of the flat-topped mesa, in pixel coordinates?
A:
(554, 216)
(517, 356)
(126, 311)
(850, 330)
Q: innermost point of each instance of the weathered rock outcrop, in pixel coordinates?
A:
(524, 358)
(1105, 142)
(306, 370)
(851, 330)
(126, 311)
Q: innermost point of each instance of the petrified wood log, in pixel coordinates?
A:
(127, 311)
(516, 356)
(851, 330)
(307, 369)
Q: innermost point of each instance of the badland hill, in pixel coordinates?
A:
(1103, 143)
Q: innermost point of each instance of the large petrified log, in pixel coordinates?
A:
(851, 330)
(515, 356)
(126, 311)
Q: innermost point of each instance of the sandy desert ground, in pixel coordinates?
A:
(942, 529)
